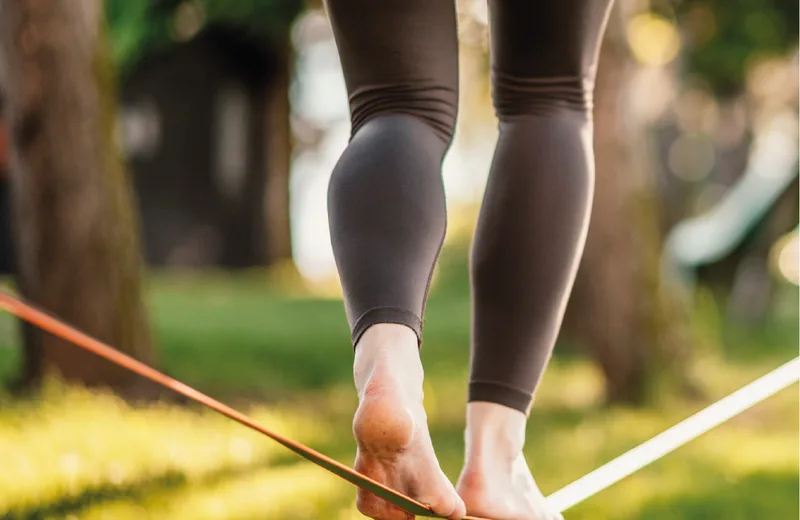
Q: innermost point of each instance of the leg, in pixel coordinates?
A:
(530, 235)
(387, 220)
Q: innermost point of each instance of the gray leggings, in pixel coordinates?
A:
(386, 199)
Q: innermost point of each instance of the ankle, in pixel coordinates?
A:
(495, 435)
(385, 353)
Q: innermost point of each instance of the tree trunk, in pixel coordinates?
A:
(619, 310)
(76, 235)
(279, 158)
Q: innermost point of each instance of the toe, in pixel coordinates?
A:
(460, 510)
(447, 505)
(452, 507)
(550, 514)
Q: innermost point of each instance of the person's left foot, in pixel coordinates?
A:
(504, 494)
(496, 482)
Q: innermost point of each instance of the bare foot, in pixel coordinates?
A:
(391, 428)
(496, 482)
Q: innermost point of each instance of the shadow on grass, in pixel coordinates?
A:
(67, 505)
(170, 481)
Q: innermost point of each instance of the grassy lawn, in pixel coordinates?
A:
(74, 454)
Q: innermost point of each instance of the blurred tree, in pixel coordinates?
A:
(724, 37)
(620, 310)
(3, 146)
(279, 163)
(141, 28)
(76, 235)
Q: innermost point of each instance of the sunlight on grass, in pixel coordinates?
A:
(72, 439)
(295, 492)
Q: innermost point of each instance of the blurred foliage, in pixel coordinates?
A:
(723, 37)
(141, 27)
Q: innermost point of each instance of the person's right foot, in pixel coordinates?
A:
(496, 482)
(391, 429)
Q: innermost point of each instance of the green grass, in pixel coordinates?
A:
(70, 453)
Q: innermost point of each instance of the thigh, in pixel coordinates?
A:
(398, 56)
(547, 38)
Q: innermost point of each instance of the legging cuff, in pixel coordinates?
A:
(499, 394)
(387, 315)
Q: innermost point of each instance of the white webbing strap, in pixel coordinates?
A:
(676, 436)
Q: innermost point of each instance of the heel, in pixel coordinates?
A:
(382, 427)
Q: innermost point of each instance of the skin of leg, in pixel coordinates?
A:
(387, 214)
(530, 236)
(390, 426)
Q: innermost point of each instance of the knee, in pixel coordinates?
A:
(521, 96)
(435, 106)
